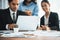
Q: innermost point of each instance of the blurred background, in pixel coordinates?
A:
(55, 6)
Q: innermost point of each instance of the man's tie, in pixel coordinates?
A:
(14, 20)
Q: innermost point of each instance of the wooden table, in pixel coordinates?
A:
(33, 38)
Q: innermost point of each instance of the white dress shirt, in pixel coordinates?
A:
(11, 14)
(46, 20)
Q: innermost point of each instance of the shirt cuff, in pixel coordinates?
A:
(7, 26)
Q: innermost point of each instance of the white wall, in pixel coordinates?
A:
(0, 3)
(3, 4)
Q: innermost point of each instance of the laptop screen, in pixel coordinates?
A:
(27, 22)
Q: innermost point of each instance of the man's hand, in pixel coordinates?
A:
(28, 12)
(11, 26)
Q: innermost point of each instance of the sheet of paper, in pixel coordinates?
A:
(31, 34)
(13, 35)
(47, 33)
(19, 34)
(5, 31)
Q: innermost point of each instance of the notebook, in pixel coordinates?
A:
(27, 22)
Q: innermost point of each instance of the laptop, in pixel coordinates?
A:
(27, 22)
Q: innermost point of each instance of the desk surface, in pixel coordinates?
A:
(33, 38)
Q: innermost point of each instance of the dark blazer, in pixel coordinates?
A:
(5, 18)
(1, 10)
(53, 21)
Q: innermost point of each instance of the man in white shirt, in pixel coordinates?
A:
(9, 16)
